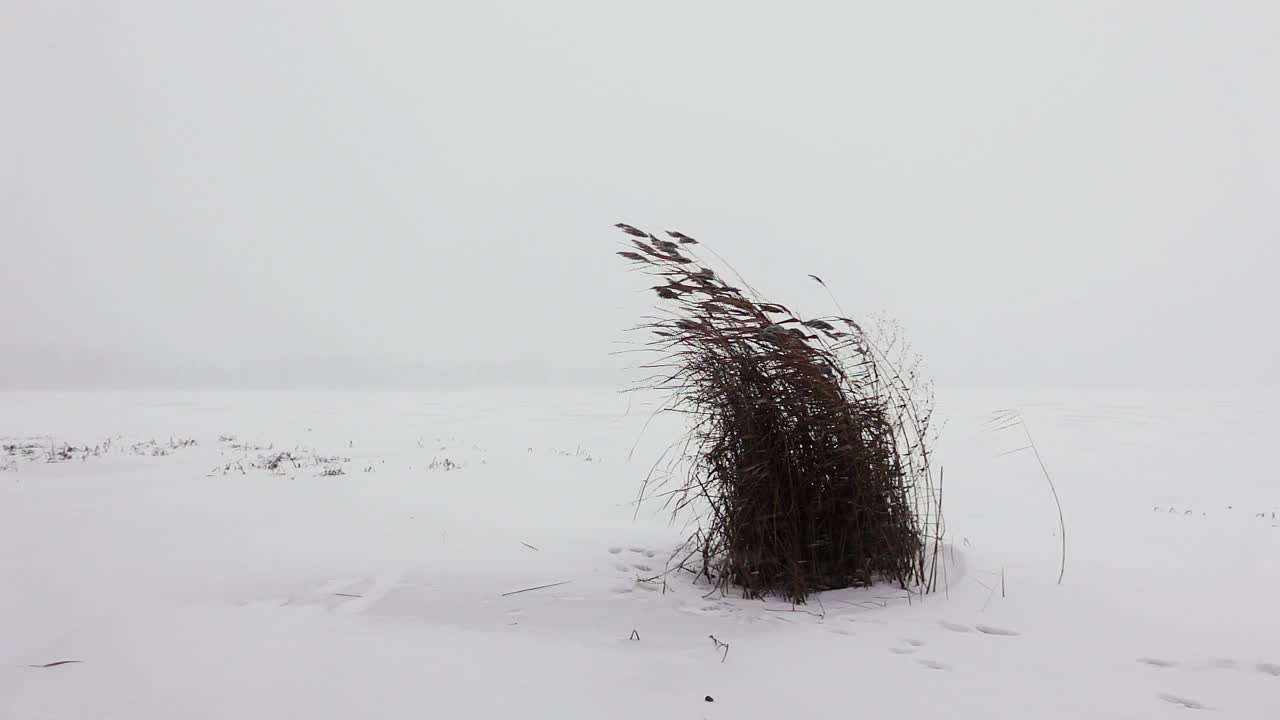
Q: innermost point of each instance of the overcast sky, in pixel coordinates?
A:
(293, 191)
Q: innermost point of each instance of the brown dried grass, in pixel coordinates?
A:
(807, 466)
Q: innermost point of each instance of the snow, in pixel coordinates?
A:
(188, 582)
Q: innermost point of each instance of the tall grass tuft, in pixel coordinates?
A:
(807, 466)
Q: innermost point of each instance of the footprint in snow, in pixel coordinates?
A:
(955, 627)
(1264, 668)
(933, 664)
(642, 567)
(615, 550)
(991, 630)
(912, 645)
(1184, 702)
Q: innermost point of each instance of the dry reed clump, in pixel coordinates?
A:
(806, 467)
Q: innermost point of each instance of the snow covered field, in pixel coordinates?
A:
(368, 574)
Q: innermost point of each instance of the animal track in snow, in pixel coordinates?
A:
(933, 664)
(984, 629)
(912, 645)
(615, 550)
(1261, 667)
(991, 630)
(1184, 702)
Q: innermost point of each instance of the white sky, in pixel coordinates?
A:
(394, 190)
